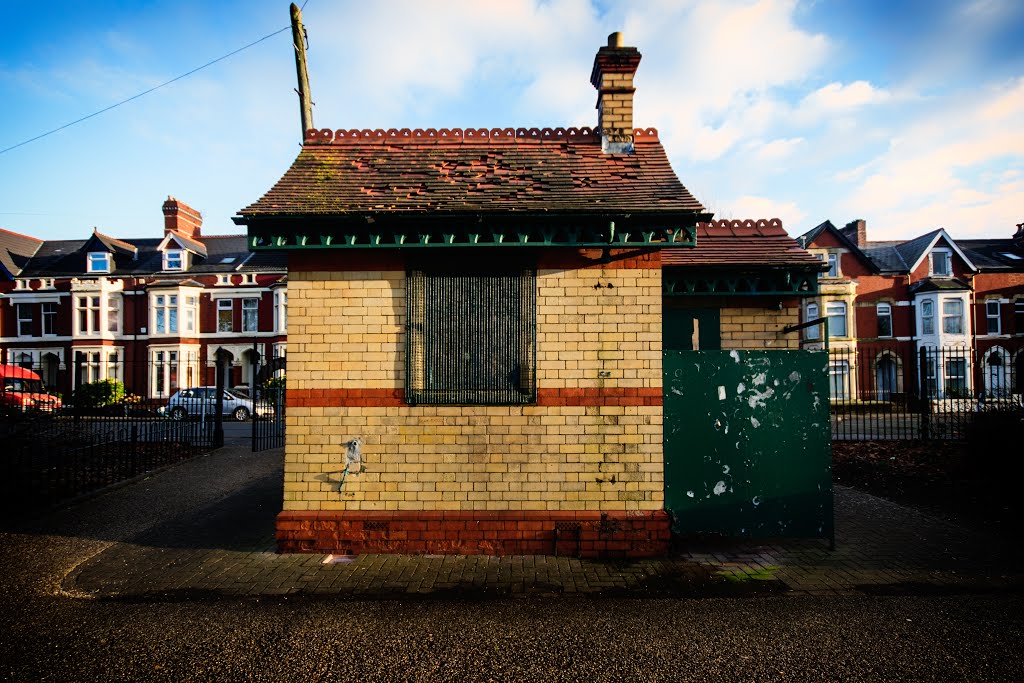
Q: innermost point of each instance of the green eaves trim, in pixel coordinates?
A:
(773, 282)
(475, 236)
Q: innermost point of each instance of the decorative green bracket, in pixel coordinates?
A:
(512, 236)
(776, 282)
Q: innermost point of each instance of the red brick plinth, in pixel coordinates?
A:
(476, 532)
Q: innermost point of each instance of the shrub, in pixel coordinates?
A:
(98, 394)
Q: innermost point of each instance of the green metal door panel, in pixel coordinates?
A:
(748, 443)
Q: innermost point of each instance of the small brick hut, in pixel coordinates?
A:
(475, 333)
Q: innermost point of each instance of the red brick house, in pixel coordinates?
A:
(888, 300)
(149, 311)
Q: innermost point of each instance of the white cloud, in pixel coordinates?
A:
(836, 97)
(779, 149)
(711, 69)
(762, 207)
(937, 169)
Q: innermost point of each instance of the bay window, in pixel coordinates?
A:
(835, 311)
(87, 314)
(953, 316)
(927, 317)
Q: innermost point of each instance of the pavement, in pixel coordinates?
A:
(204, 530)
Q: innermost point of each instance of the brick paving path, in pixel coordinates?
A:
(227, 549)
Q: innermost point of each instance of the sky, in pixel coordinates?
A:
(907, 114)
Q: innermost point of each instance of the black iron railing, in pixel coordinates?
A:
(892, 392)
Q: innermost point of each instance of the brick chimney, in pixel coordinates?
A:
(856, 231)
(612, 75)
(181, 217)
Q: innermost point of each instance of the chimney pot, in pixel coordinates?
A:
(616, 40)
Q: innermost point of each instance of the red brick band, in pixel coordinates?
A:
(330, 398)
(476, 532)
(590, 396)
(607, 396)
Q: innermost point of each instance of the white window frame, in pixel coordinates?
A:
(24, 316)
(927, 316)
(993, 316)
(224, 280)
(174, 259)
(837, 310)
(281, 311)
(884, 310)
(832, 258)
(189, 314)
(88, 314)
(91, 265)
(172, 368)
(165, 314)
(839, 369)
(250, 314)
(49, 318)
(113, 314)
(960, 380)
(99, 363)
(22, 285)
(954, 319)
(165, 367)
(813, 332)
(225, 306)
(948, 260)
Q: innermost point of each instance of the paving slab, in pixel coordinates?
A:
(226, 548)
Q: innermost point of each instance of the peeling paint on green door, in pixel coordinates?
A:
(748, 443)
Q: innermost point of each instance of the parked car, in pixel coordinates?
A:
(23, 390)
(200, 401)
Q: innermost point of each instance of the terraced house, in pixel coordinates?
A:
(477, 325)
(959, 302)
(150, 312)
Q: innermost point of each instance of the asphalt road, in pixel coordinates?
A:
(46, 634)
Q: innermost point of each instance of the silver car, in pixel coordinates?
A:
(202, 401)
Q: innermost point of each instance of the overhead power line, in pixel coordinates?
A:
(146, 92)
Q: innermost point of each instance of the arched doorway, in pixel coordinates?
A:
(997, 371)
(886, 378)
(49, 363)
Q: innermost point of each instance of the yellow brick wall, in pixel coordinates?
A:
(759, 328)
(593, 335)
(484, 458)
(347, 330)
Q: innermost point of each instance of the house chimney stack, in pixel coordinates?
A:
(180, 217)
(856, 231)
(1018, 236)
(612, 75)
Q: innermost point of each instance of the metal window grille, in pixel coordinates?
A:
(471, 338)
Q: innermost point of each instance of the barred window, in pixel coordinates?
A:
(471, 338)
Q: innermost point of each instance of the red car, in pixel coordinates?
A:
(23, 390)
